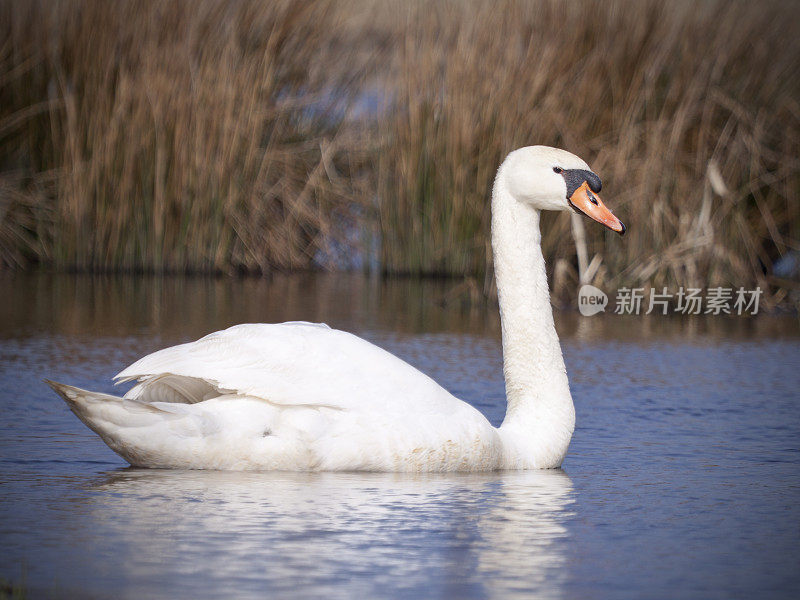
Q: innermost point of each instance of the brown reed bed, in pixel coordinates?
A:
(228, 136)
(194, 136)
(689, 111)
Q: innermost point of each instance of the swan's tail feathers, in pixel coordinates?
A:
(118, 421)
(95, 408)
(180, 435)
(72, 395)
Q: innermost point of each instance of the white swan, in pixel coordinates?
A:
(300, 396)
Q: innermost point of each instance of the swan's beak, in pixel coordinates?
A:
(585, 201)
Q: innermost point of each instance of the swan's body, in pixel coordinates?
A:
(300, 396)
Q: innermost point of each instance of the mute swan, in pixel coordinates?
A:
(302, 396)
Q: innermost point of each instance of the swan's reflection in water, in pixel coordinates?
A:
(216, 533)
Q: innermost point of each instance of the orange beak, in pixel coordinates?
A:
(585, 201)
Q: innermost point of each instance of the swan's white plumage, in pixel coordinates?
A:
(295, 364)
(303, 396)
(293, 396)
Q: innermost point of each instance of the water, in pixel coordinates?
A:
(682, 480)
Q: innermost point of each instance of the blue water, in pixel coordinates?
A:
(682, 480)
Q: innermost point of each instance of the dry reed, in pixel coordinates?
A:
(217, 137)
(663, 100)
(183, 136)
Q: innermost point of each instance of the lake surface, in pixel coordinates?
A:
(682, 480)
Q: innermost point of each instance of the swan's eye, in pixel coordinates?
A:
(558, 169)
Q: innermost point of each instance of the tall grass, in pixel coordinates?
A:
(688, 111)
(232, 136)
(182, 135)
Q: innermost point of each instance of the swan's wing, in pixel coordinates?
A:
(288, 364)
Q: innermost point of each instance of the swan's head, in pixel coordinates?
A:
(553, 179)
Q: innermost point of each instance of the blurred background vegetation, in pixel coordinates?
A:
(253, 137)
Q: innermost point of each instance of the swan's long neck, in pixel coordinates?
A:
(540, 416)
